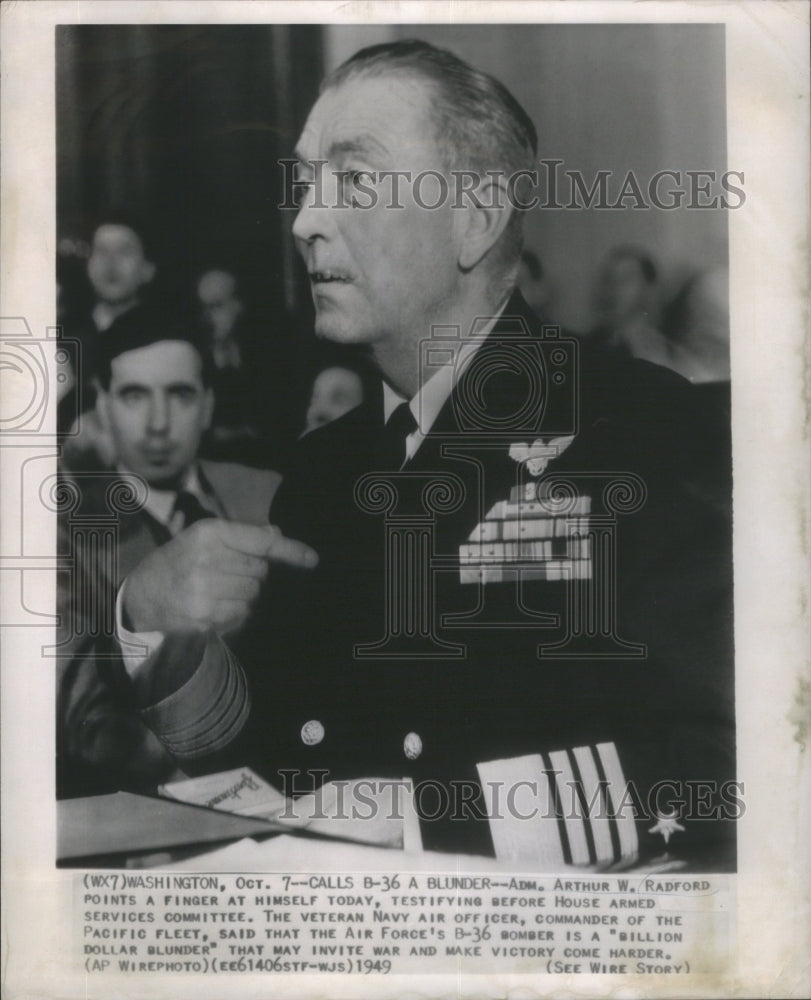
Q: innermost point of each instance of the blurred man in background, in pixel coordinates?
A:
(696, 324)
(119, 269)
(336, 390)
(155, 402)
(628, 306)
(697, 329)
(234, 430)
(257, 373)
(221, 307)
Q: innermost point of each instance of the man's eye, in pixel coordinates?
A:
(356, 178)
(299, 192)
(184, 394)
(131, 397)
(356, 184)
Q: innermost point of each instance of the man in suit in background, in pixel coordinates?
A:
(155, 403)
(120, 268)
(482, 607)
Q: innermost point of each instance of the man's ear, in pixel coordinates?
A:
(208, 407)
(484, 218)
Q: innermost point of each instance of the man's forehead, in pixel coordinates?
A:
(114, 233)
(157, 364)
(367, 111)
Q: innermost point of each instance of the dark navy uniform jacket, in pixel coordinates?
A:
(466, 672)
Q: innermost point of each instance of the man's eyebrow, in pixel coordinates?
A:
(360, 144)
(130, 386)
(145, 387)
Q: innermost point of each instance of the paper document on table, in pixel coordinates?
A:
(240, 791)
(368, 810)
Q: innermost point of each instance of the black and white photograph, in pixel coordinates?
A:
(390, 617)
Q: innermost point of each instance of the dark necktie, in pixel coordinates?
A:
(190, 507)
(400, 424)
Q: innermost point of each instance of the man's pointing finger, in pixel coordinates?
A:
(290, 551)
(268, 542)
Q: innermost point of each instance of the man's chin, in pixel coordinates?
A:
(170, 483)
(161, 477)
(334, 332)
(339, 329)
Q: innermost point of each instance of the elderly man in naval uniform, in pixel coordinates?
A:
(522, 598)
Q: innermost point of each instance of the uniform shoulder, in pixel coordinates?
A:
(630, 390)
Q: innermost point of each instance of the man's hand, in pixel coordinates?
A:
(207, 577)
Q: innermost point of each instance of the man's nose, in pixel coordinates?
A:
(158, 418)
(316, 211)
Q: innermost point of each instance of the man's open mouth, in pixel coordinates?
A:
(321, 277)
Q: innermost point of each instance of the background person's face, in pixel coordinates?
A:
(157, 409)
(220, 306)
(336, 391)
(625, 293)
(117, 267)
(381, 273)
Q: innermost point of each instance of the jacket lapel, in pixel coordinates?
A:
(139, 536)
(474, 443)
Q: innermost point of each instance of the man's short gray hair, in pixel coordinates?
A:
(479, 125)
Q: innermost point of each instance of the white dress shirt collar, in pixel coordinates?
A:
(436, 390)
(160, 504)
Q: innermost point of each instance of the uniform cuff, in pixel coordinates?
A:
(208, 711)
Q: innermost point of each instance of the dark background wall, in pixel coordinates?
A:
(184, 125)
